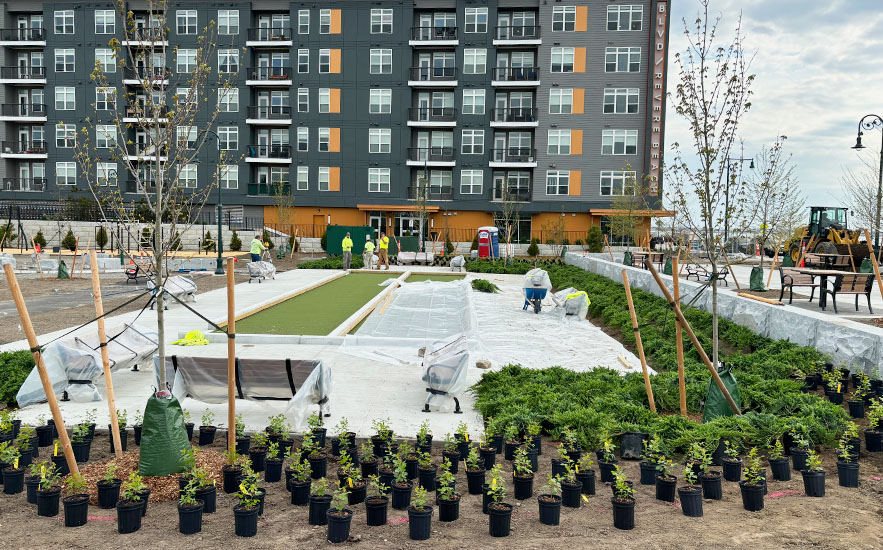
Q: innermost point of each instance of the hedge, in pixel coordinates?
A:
(14, 368)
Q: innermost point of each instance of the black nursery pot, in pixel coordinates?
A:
(537, 441)
(189, 427)
(108, 493)
(665, 489)
(401, 496)
(732, 469)
(523, 487)
(128, 516)
(190, 518)
(47, 502)
(752, 496)
(489, 456)
(207, 435)
(319, 506)
(76, 510)
(124, 439)
(587, 478)
(426, 479)
(499, 519)
(411, 467)
(557, 467)
(136, 431)
(814, 483)
(648, 473)
(273, 470)
(81, 450)
(533, 456)
(509, 450)
(339, 525)
(497, 442)
(209, 497)
(485, 498)
(856, 408)
(386, 478)
(376, 510)
(318, 466)
(717, 457)
(300, 492)
(623, 514)
(258, 457)
(781, 468)
(691, 501)
(231, 478)
(570, 494)
(848, 473)
(449, 510)
(349, 438)
(474, 482)
(606, 469)
(711, 486)
(357, 494)
(631, 444)
(31, 484)
(369, 468)
(245, 521)
(873, 441)
(454, 459)
(242, 445)
(319, 436)
(550, 509)
(145, 499)
(798, 458)
(835, 397)
(44, 435)
(13, 481)
(419, 522)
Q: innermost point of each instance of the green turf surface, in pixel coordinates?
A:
(420, 277)
(318, 311)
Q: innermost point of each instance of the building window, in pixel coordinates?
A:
(617, 183)
(562, 60)
(561, 101)
(186, 21)
(303, 21)
(378, 180)
(473, 102)
(186, 137)
(325, 22)
(228, 22)
(472, 142)
(476, 20)
(303, 100)
(381, 21)
(64, 60)
(324, 61)
(624, 18)
(228, 60)
(381, 61)
(471, 182)
(303, 178)
(186, 60)
(564, 18)
(106, 60)
(441, 182)
(105, 98)
(474, 61)
(380, 101)
(324, 178)
(105, 136)
(324, 100)
(620, 101)
(324, 140)
(228, 100)
(184, 98)
(619, 142)
(65, 173)
(303, 139)
(559, 142)
(379, 140)
(187, 176)
(622, 60)
(228, 138)
(105, 22)
(106, 174)
(228, 176)
(558, 182)
(65, 136)
(64, 22)
(65, 98)
(303, 61)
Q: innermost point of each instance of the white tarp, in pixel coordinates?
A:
(457, 263)
(537, 278)
(444, 370)
(574, 302)
(261, 270)
(181, 287)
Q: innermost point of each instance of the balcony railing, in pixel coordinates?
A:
(428, 74)
(426, 34)
(432, 114)
(517, 32)
(147, 34)
(269, 189)
(515, 114)
(23, 73)
(24, 184)
(270, 112)
(22, 35)
(269, 34)
(516, 74)
(269, 151)
(133, 186)
(514, 154)
(269, 73)
(23, 109)
(517, 194)
(431, 154)
(431, 193)
(24, 147)
(147, 73)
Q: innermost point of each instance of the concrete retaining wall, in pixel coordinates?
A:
(849, 342)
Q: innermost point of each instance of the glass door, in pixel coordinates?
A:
(499, 147)
(501, 103)
(424, 62)
(423, 106)
(502, 26)
(422, 146)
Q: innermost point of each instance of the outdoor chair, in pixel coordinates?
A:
(842, 262)
(855, 284)
(790, 278)
(696, 270)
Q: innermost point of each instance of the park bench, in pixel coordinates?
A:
(811, 260)
(842, 262)
(790, 278)
(445, 365)
(696, 270)
(856, 284)
(639, 259)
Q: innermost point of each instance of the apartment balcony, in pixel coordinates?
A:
(27, 185)
(23, 112)
(434, 36)
(268, 76)
(517, 35)
(147, 37)
(269, 154)
(271, 37)
(431, 193)
(516, 76)
(269, 189)
(432, 117)
(430, 156)
(269, 115)
(156, 76)
(513, 157)
(23, 38)
(23, 150)
(144, 153)
(519, 194)
(514, 117)
(142, 118)
(433, 77)
(135, 187)
(28, 76)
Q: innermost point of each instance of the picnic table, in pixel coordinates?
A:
(823, 275)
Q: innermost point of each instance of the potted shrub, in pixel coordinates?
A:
(475, 472)
(691, 494)
(48, 491)
(207, 429)
(190, 510)
(300, 483)
(109, 487)
(800, 450)
(320, 502)
(44, 432)
(499, 512)
(732, 463)
(367, 460)
(130, 506)
(26, 443)
(251, 478)
(847, 463)
(550, 502)
(424, 438)
(447, 498)
(342, 437)
(402, 486)
(462, 437)
(273, 464)
(76, 501)
(859, 397)
(245, 513)
(231, 471)
(451, 452)
(81, 443)
(512, 442)
(205, 490)
(753, 485)
(426, 472)
(59, 460)
(243, 442)
(276, 428)
(623, 501)
(419, 515)
(710, 479)
(495, 431)
(666, 481)
(607, 462)
(13, 474)
(410, 457)
(386, 470)
(649, 458)
(779, 464)
(376, 502)
(32, 482)
(874, 432)
(124, 434)
(532, 434)
(571, 487)
(522, 475)
(833, 387)
(585, 474)
(339, 517)
(813, 476)
(316, 455)
(136, 427)
(382, 437)
(487, 450)
(257, 452)
(350, 478)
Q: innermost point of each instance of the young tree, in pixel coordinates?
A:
(712, 95)
(631, 209)
(860, 187)
(283, 200)
(510, 209)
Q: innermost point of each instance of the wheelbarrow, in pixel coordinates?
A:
(533, 297)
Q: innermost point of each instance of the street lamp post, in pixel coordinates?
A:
(730, 162)
(869, 122)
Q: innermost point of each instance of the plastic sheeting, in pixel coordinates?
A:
(574, 302)
(408, 258)
(537, 278)
(444, 371)
(457, 263)
(181, 287)
(261, 270)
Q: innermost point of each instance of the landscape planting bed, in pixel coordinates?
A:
(442, 277)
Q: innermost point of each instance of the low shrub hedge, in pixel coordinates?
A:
(332, 262)
(14, 368)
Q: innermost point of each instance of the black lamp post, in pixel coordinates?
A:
(219, 268)
(869, 122)
(730, 162)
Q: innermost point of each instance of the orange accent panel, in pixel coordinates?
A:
(335, 21)
(576, 177)
(579, 60)
(335, 61)
(582, 19)
(576, 142)
(579, 101)
(334, 96)
(334, 178)
(334, 140)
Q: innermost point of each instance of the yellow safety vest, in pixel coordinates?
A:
(369, 246)
(347, 244)
(384, 243)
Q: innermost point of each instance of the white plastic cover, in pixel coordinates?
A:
(428, 309)
(457, 263)
(445, 366)
(315, 390)
(182, 287)
(261, 270)
(577, 305)
(537, 278)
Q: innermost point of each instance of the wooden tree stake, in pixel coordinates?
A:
(679, 342)
(775, 261)
(37, 259)
(231, 358)
(733, 273)
(105, 359)
(874, 262)
(609, 250)
(628, 295)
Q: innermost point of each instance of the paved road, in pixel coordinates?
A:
(66, 300)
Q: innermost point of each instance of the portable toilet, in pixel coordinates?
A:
(488, 242)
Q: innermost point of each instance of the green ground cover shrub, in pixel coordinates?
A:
(14, 368)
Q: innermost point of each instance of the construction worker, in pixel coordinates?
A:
(257, 248)
(347, 245)
(384, 251)
(368, 254)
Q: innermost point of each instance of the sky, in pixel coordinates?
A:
(819, 70)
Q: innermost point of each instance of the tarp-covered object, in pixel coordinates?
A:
(181, 287)
(457, 263)
(537, 278)
(444, 370)
(756, 280)
(74, 364)
(261, 270)
(574, 302)
(163, 437)
(715, 402)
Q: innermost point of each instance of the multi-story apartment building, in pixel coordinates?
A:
(351, 105)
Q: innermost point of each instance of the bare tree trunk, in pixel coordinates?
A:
(160, 280)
